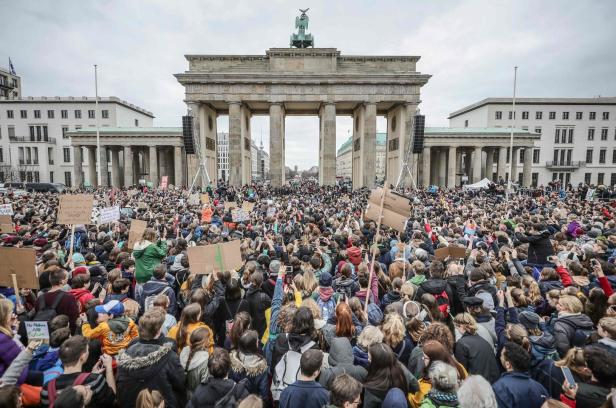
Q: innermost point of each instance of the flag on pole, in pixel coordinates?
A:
(11, 67)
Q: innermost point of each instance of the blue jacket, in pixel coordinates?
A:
(310, 393)
(155, 287)
(515, 389)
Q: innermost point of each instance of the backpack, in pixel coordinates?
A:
(287, 369)
(581, 336)
(148, 303)
(229, 322)
(230, 400)
(327, 308)
(46, 314)
(52, 392)
(442, 300)
(539, 353)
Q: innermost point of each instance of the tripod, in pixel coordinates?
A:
(202, 160)
(408, 154)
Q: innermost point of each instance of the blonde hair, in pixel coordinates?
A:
(6, 311)
(571, 304)
(251, 401)
(309, 281)
(369, 336)
(466, 321)
(518, 334)
(149, 234)
(149, 399)
(608, 324)
(408, 290)
(313, 307)
(393, 330)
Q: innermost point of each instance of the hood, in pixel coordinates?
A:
(141, 356)
(393, 296)
(77, 293)
(140, 247)
(153, 287)
(418, 279)
(551, 284)
(200, 357)
(296, 341)
(434, 286)
(546, 340)
(340, 352)
(251, 364)
(118, 325)
(344, 282)
(578, 321)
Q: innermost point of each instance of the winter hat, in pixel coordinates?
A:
(395, 398)
(472, 301)
(78, 259)
(113, 307)
(375, 315)
(529, 320)
(274, 268)
(325, 280)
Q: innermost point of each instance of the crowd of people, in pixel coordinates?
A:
(327, 310)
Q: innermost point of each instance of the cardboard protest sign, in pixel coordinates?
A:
(109, 214)
(390, 218)
(193, 199)
(6, 224)
(136, 232)
(75, 209)
(37, 330)
(396, 209)
(590, 194)
(22, 263)
(216, 257)
(393, 201)
(164, 182)
(452, 252)
(6, 209)
(240, 215)
(248, 206)
(205, 198)
(230, 204)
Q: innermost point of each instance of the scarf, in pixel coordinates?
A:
(325, 293)
(443, 398)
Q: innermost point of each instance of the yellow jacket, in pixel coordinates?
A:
(175, 331)
(268, 315)
(115, 334)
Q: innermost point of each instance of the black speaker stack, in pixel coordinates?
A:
(418, 140)
(187, 133)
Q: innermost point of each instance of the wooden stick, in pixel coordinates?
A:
(17, 298)
(70, 253)
(374, 251)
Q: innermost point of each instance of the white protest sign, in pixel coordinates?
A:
(109, 214)
(37, 330)
(271, 211)
(590, 194)
(6, 209)
(240, 215)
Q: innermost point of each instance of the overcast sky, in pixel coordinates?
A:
(562, 47)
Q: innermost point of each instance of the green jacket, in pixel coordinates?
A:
(147, 256)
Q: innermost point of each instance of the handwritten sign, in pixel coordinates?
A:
(6, 209)
(20, 262)
(6, 224)
(75, 209)
(37, 330)
(248, 206)
(215, 257)
(193, 199)
(205, 198)
(164, 182)
(109, 214)
(240, 215)
(136, 232)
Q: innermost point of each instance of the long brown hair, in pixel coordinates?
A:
(344, 321)
(199, 341)
(437, 352)
(190, 315)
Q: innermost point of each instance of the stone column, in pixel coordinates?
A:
(477, 164)
(528, 166)
(208, 140)
(369, 145)
(178, 178)
(502, 163)
(277, 167)
(129, 178)
(116, 179)
(452, 167)
(153, 170)
(459, 166)
(327, 143)
(92, 166)
(515, 154)
(442, 168)
(467, 165)
(489, 163)
(425, 171)
(236, 144)
(77, 166)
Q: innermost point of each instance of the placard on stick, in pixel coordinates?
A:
(248, 206)
(109, 214)
(205, 198)
(136, 232)
(75, 209)
(6, 224)
(452, 252)
(215, 257)
(22, 263)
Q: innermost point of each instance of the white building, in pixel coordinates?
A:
(344, 158)
(259, 162)
(10, 84)
(222, 147)
(33, 142)
(578, 135)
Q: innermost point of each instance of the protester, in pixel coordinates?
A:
(306, 389)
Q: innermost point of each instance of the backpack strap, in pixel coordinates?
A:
(81, 378)
(52, 392)
(306, 347)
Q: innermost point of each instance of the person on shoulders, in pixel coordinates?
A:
(114, 329)
(306, 389)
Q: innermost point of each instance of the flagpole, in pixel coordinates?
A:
(515, 77)
(98, 136)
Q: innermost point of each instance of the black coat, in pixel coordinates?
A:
(227, 309)
(564, 330)
(208, 393)
(474, 353)
(150, 364)
(539, 247)
(257, 303)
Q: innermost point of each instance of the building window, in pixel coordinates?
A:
(2, 155)
(136, 122)
(552, 115)
(50, 114)
(23, 113)
(64, 130)
(77, 127)
(394, 144)
(11, 130)
(465, 123)
(105, 114)
(37, 177)
(37, 114)
(525, 115)
(538, 130)
(77, 113)
(538, 115)
(578, 115)
(565, 115)
(499, 115)
(603, 133)
(592, 115)
(602, 154)
(210, 144)
(67, 179)
(522, 155)
(614, 156)
(511, 115)
(9, 114)
(67, 154)
(91, 113)
(587, 178)
(606, 116)
(570, 135)
(600, 178)
(64, 114)
(589, 156)
(591, 133)
(613, 179)
(557, 135)
(51, 177)
(536, 153)
(534, 179)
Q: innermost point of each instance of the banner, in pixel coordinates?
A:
(205, 198)
(75, 209)
(22, 263)
(6, 224)
(109, 214)
(240, 215)
(6, 209)
(217, 257)
(248, 206)
(136, 232)
(164, 181)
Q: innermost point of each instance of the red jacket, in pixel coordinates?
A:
(354, 254)
(83, 296)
